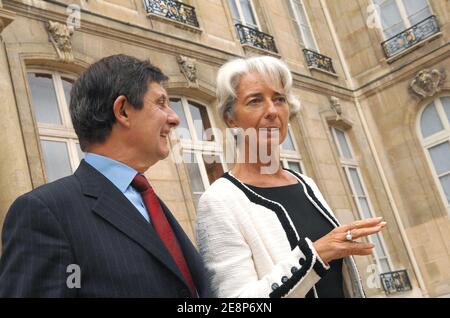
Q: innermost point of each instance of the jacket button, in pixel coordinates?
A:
(284, 279)
(301, 261)
(275, 286)
(294, 269)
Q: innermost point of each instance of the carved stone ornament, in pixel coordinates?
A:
(428, 82)
(61, 37)
(188, 68)
(335, 105)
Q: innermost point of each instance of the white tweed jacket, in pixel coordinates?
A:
(244, 240)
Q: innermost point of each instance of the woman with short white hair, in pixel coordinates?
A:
(272, 234)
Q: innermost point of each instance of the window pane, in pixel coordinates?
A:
(417, 10)
(201, 121)
(365, 210)
(440, 155)
(390, 17)
(356, 182)
(213, 167)
(248, 13)
(44, 98)
(295, 21)
(446, 103)
(234, 11)
(56, 159)
(182, 129)
(309, 41)
(67, 86)
(195, 178)
(385, 268)
(80, 153)
(344, 147)
(287, 143)
(430, 122)
(295, 166)
(445, 182)
(303, 24)
(379, 250)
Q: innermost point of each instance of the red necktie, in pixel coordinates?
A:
(162, 227)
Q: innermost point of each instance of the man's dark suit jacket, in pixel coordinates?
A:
(85, 220)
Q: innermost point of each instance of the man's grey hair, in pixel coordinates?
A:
(273, 71)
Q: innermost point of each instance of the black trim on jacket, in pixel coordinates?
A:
(313, 196)
(285, 287)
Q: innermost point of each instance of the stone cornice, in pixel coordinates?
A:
(6, 17)
(111, 28)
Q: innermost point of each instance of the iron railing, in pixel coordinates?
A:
(256, 38)
(173, 10)
(317, 60)
(411, 36)
(394, 282)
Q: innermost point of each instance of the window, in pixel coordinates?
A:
(302, 25)
(202, 155)
(50, 96)
(289, 155)
(359, 194)
(243, 12)
(434, 128)
(398, 15)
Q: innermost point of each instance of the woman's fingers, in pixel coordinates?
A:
(361, 224)
(362, 232)
(356, 248)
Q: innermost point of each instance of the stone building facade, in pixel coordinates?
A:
(373, 130)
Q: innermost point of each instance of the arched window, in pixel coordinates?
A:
(50, 97)
(202, 154)
(350, 167)
(434, 129)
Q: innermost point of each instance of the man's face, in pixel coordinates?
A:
(150, 126)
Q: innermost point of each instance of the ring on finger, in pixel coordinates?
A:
(349, 236)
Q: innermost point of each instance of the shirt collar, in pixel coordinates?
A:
(117, 172)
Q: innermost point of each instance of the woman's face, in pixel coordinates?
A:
(261, 107)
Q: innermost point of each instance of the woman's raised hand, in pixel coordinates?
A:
(340, 242)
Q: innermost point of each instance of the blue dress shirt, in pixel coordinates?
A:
(121, 176)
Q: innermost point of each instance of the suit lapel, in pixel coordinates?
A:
(115, 208)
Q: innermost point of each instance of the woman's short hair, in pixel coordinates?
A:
(272, 70)
(94, 92)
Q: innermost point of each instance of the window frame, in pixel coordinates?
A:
(241, 15)
(299, 29)
(436, 139)
(287, 155)
(54, 132)
(352, 163)
(196, 146)
(403, 15)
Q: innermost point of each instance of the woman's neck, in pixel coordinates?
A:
(252, 173)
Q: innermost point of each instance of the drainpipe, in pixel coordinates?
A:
(365, 126)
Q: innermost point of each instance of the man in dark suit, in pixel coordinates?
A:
(102, 232)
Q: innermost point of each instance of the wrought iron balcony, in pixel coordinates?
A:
(411, 36)
(256, 38)
(316, 60)
(394, 282)
(173, 10)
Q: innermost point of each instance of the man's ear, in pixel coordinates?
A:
(120, 110)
